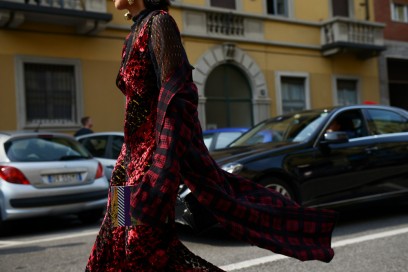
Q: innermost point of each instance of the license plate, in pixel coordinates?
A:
(64, 178)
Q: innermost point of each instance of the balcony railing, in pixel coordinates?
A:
(225, 24)
(67, 4)
(342, 34)
(87, 16)
(82, 5)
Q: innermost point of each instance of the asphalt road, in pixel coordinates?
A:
(369, 239)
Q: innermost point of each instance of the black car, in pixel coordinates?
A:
(328, 157)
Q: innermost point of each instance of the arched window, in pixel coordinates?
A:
(229, 99)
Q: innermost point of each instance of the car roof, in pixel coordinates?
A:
(103, 133)
(366, 106)
(228, 129)
(341, 108)
(8, 134)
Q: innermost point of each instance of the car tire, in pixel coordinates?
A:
(4, 228)
(91, 216)
(279, 186)
(2, 231)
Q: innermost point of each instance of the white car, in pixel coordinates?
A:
(49, 173)
(104, 146)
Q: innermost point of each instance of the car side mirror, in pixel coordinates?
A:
(335, 137)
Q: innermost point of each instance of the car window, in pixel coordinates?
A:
(297, 127)
(385, 121)
(44, 149)
(96, 145)
(117, 143)
(208, 138)
(351, 122)
(225, 138)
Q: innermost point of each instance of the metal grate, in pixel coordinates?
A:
(50, 95)
(66, 4)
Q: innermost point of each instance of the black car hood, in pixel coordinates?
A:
(226, 155)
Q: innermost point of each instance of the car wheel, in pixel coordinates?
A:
(91, 216)
(1, 228)
(279, 186)
(4, 228)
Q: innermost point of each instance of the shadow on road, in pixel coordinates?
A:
(43, 225)
(352, 220)
(378, 216)
(215, 236)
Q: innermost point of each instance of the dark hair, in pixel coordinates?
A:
(157, 4)
(84, 120)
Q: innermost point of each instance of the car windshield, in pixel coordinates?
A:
(222, 140)
(45, 148)
(297, 127)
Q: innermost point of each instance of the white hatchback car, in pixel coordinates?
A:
(44, 174)
(104, 146)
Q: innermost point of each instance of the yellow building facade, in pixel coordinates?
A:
(253, 59)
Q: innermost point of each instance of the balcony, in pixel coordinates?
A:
(365, 39)
(225, 24)
(88, 17)
(222, 25)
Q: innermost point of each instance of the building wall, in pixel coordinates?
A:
(396, 35)
(396, 31)
(99, 57)
(292, 45)
(311, 10)
(287, 45)
(7, 92)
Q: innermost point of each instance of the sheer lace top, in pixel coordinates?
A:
(151, 53)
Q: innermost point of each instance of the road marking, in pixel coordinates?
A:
(8, 243)
(50, 239)
(230, 267)
(341, 243)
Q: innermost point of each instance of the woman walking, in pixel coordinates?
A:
(164, 146)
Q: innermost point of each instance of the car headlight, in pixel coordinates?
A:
(232, 167)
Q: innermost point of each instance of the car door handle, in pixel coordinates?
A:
(110, 166)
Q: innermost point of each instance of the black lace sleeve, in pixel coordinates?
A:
(166, 46)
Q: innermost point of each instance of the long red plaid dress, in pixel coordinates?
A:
(163, 142)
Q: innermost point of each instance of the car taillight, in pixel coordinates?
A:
(99, 171)
(13, 175)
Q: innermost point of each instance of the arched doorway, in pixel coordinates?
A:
(229, 98)
(251, 82)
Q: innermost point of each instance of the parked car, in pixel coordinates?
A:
(363, 158)
(221, 137)
(45, 174)
(104, 146)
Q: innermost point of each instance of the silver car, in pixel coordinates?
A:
(45, 174)
(104, 146)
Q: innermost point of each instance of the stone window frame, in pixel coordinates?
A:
(335, 78)
(278, 87)
(22, 122)
(394, 17)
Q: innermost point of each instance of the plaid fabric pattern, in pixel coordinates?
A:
(247, 210)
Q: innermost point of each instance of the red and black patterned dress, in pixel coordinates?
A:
(141, 247)
(163, 144)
